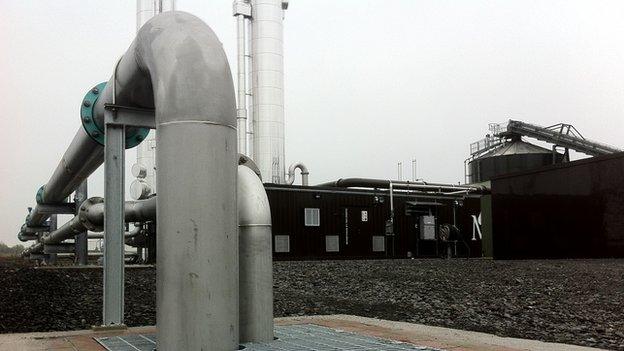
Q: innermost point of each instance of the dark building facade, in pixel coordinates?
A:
(570, 210)
(327, 222)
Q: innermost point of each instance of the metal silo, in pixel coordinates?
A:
(511, 156)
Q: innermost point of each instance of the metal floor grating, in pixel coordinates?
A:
(304, 337)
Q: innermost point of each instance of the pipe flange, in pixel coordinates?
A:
(84, 210)
(134, 136)
(39, 196)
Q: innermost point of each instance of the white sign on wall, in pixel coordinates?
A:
(364, 216)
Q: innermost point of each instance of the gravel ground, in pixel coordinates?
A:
(574, 301)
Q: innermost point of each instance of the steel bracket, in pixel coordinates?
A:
(131, 117)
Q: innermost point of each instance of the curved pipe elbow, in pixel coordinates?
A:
(253, 203)
(174, 42)
(304, 173)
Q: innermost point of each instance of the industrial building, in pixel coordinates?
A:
(227, 212)
(567, 210)
(344, 222)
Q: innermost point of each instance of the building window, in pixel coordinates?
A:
(282, 243)
(312, 217)
(379, 243)
(332, 243)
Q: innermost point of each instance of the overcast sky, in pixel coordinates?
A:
(368, 83)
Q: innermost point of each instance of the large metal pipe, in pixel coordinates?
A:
(304, 173)
(256, 261)
(83, 156)
(178, 66)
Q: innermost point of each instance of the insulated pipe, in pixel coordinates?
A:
(381, 183)
(255, 259)
(177, 65)
(304, 173)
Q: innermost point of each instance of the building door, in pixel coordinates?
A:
(358, 232)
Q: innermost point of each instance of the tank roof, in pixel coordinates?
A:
(516, 147)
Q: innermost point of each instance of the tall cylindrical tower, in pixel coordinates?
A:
(268, 88)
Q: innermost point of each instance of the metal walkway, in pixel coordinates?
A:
(561, 134)
(304, 337)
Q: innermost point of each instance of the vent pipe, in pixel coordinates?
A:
(242, 11)
(304, 173)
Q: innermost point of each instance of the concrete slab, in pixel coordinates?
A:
(417, 334)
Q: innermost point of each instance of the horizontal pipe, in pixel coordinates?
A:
(83, 156)
(385, 184)
(134, 211)
(91, 217)
(60, 208)
(134, 232)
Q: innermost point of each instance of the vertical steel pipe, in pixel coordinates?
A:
(241, 111)
(197, 239)
(177, 66)
(256, 261)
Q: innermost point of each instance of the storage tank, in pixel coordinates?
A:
(513, 156)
